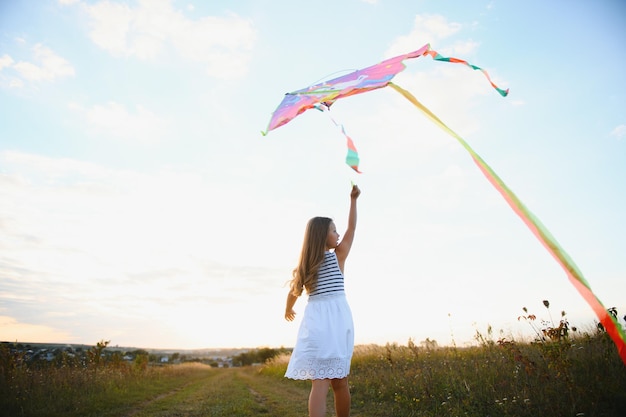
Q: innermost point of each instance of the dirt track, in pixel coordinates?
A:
(230, 392)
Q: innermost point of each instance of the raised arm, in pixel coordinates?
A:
(343, 249)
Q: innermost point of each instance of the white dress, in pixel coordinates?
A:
(326, 336)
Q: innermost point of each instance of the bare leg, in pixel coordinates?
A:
(342, 396)
(317, 397)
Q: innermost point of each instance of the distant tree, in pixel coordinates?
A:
(139, 352)
(256, 356)
(95, 354)
(117, 360)
(141, 362)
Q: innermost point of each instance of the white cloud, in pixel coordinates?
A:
(146, 31)
(115, 120)
(464, 48)
(52, 168)
(48, 67)
(111, 23)
(426, 29)
(619, 132)
(84, 207)
(438, 82)
(5, 61)
(16, 83)
(127, 243)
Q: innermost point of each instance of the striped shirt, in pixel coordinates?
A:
(329, 276)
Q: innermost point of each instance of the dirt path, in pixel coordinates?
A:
(229, 392)
(146, 404)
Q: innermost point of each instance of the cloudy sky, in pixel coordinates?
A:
(139, 202)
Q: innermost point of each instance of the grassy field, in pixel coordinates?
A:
(581, 376)
(190, 390)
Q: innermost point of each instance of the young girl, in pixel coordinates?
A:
(326, 337)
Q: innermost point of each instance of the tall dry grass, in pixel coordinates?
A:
(563, 372)
(68, 387)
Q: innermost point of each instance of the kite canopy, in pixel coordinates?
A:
(357, 82)
(323, 95)
(327, 92)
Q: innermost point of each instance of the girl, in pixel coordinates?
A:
(326, 337)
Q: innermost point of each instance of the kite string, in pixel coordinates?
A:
(610, 323)
(352, 157)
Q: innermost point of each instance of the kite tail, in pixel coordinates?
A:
(435, 55)
(352, 157)
(610, 323)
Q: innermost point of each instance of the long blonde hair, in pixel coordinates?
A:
(311, 256)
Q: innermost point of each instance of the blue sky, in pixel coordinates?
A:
(140, 204)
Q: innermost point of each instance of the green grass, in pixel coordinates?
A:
(71, 391)
(580, 376)
(125, 389)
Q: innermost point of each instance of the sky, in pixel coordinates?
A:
(140, 203)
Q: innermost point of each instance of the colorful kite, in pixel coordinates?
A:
(321, 96)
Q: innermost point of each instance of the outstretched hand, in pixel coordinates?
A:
(356, 192)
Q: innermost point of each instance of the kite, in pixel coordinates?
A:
(321, 96)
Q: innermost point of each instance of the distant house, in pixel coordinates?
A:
(165, 359)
